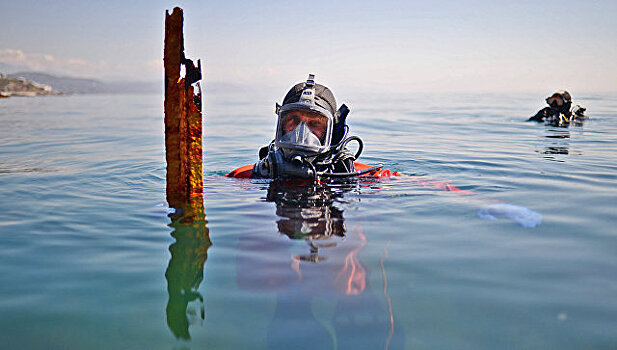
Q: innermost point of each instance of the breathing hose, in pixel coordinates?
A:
(350, 174)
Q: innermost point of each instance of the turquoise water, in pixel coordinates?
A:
(90, 260)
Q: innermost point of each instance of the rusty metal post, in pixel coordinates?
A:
(183, 119)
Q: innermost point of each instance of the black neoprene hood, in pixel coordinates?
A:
(324, 98)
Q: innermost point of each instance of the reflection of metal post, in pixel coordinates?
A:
(185, 271)
(183, 128)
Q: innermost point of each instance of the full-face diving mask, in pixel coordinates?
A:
(304, 127)
(555, 101)
(560, 101)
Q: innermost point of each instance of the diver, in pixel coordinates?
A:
(310, 140)
(560, 111)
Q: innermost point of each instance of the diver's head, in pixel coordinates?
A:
(310, 133)
(560, 101)
(305, 120)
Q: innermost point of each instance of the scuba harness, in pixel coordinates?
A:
(338, 162)
(574, 115)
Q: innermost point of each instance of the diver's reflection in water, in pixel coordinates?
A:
(557, 141)
(325, 300)
(185, 271)
(307, 212)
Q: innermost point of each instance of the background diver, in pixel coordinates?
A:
(310, 140)
(560, 111)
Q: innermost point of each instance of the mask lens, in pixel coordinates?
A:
(316, 122)
(555, 100)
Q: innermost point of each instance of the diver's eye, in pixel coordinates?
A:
(290, 122)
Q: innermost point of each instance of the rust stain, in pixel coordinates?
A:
(183, 116)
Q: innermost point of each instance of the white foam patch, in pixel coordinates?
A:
(522, 216)
(164, 208)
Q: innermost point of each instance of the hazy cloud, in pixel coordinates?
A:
(150, 70)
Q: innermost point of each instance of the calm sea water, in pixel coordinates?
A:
(90, 260)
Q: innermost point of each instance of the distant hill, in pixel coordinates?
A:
(72, 85)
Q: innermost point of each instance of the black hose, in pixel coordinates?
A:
(337, 146)
(313, 170)
(344, 143)
(351, 174)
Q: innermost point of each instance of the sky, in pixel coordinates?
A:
(387, 45)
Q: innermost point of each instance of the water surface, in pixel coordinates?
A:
(90, 258)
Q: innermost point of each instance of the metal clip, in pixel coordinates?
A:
(310, 82)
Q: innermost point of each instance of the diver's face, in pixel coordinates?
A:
(315, 121)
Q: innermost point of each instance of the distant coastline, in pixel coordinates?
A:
(10, 86)
(38, 84)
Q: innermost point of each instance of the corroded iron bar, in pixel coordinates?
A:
(183, 119)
